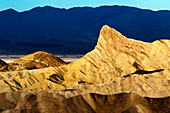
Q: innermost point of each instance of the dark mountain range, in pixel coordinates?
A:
(75, 31)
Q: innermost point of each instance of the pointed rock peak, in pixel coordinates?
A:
(110, 37)
(109, 32)
(106, 28)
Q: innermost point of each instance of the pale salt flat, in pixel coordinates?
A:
(67, 58)
(8, 60)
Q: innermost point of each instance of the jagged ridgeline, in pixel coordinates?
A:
(117, 64)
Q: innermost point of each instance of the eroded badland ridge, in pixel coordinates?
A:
(75, 30)
(133, 72)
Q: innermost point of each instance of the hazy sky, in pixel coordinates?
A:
(22, 5)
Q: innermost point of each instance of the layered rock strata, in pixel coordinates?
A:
(119, 75)
(114, 57)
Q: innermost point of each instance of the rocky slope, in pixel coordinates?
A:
(36, 60)
(23, 102)
(2, 63)
(114, 56)
(117, 67)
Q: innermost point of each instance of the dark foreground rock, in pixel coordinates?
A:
(2, 63)
(23, 102)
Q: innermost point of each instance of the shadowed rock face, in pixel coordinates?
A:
(2, 63)
(124, 75)
(36, 60)
(89, 103)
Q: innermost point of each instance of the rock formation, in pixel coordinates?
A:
(14, 102)
(2, 63)
(66, 32)
(114, 56)
(36, 60)
(118, 69)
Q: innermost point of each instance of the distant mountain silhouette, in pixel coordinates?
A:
(75, 31)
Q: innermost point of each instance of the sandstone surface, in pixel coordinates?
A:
(36, 60)
(121, 69)
(114, 57)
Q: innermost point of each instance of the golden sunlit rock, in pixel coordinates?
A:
(117, 64)
(36, 60)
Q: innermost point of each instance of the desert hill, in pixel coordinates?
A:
(132, 73)
(114, 56)
(36, 60)
(75, 30)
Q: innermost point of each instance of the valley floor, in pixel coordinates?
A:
(67, 58)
